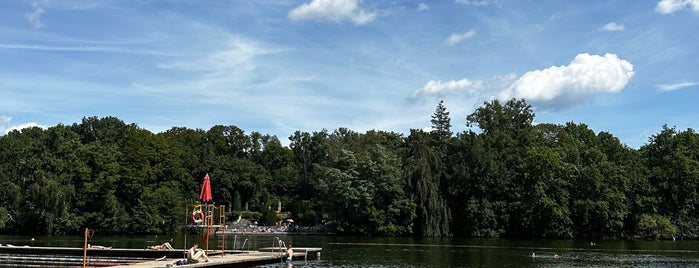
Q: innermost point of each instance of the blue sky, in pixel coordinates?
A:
(277, 66)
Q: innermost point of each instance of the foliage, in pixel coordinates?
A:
(441, 123)
(656, 227)
(503, 177)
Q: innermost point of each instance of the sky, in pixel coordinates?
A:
(278, 66)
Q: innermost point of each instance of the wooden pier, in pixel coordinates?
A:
(141, 258)
(237, 259)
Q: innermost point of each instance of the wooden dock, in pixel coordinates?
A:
(237, 259)
(139, 258)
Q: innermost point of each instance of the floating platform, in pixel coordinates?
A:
(239, 258)
(22, 256)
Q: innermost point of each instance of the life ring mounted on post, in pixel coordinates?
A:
(197, 215)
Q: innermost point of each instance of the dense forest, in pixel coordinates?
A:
(504, 177)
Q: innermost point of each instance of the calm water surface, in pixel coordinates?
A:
(363, 252)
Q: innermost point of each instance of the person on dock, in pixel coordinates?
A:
(289, 256)
(98, 247)
(197, 254)
(165, 245)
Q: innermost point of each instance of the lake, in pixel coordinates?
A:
(365, 252)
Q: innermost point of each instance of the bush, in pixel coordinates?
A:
(654, 227)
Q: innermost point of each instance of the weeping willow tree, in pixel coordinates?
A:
(423, 167)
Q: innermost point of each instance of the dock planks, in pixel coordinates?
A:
(242, 259)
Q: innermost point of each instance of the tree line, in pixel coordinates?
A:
(503, 177)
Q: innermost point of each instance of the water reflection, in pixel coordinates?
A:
(352, 252)
(363, 252)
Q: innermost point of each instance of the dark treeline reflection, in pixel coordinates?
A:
(505, 177)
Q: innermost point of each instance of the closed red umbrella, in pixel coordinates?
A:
(205, 195)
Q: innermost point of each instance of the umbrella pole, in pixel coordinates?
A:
(209, 215)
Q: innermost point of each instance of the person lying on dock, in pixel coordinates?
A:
(98, 247)
(196, 254)
(13, 246)
(165, 245)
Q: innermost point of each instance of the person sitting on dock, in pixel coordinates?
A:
(196, 254)
(165, 245)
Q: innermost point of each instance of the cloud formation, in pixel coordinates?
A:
(217, 71)
(671, 87)
(464, 86)
(35, 16)
(423, 7)
(437, 87)
(556, 87)
(456, 38)
(613, 27)
(22, 126)
(670, 6)
(475, 2)
(560, 87)
(332, 10)
(4, 129)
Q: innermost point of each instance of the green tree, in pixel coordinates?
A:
(656, 227)
(423, 167)
(441, 123)
(598, 187)
(672, 158)
(507, 133)
(546, 194)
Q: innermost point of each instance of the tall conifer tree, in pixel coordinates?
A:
(441, 123)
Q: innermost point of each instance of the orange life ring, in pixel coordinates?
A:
(197, 213)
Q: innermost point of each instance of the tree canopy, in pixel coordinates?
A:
(503, 177)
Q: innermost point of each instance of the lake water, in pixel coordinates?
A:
(364, 252)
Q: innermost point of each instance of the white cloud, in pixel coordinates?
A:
(437, 87)
(423, 7)
(22, 126)
(475, 2)
(561, 87)
(464, 86)
(217, 75)
(332, 10)
(3, 121)
(236, 54)
(456, 38)
(671, 87)
(613, 27)
(556, 87)
(670, 6)
(35, 16)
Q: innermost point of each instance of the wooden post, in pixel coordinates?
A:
(87, 232)
(222, 222)
(186, 211)
(209, 220)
